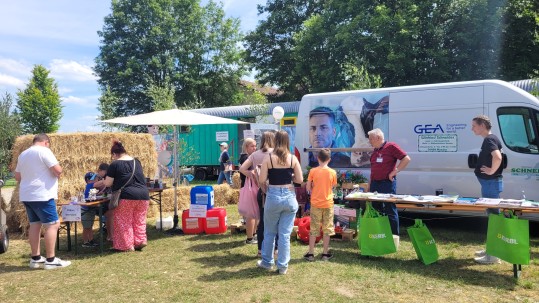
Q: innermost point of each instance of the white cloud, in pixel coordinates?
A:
(10, 81)
(77, 101)
(71, 70)
(11, 66)
(64, 90)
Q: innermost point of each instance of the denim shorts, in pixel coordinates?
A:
(42, 212)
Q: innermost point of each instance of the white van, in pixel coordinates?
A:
(432, 123)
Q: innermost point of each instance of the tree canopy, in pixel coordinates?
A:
(153, 48)
(39, 104)
(10, 128)
(312, 46)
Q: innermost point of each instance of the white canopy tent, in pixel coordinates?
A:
(174, 117)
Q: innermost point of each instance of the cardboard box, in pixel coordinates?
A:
(346, 217)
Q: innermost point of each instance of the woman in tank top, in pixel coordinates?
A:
(277, 173)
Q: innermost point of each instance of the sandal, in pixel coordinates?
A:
(309, 257)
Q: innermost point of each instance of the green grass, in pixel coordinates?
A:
(221, 268)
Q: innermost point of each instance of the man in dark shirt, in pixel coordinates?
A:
(322, 133)
(384, 170)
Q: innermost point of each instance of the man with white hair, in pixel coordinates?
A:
(384, 170)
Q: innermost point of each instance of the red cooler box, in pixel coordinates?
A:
(215, 221)
(192, 225)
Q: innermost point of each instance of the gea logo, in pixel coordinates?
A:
(428, 129)
(377, 236)
(429, 242)
(507, 240)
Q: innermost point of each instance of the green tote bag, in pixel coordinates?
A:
(508, 239)
(375, 237)
(423, 242)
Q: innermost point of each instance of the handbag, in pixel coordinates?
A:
(423, 242)
(115, 195)
(508, 238)
(375, 236)
(248, 205)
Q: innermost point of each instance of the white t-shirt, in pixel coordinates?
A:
(38, 182)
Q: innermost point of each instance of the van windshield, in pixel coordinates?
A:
(518, 126)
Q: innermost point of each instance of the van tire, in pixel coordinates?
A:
(4, 244)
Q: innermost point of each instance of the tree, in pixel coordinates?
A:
(312, 46)
(168, 44)
(269, 48)
(10, 128)
(39, 105)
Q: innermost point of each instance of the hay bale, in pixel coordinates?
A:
(79, 153)
(236, 180)
(234, 197)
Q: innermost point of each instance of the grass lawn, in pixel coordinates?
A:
(221, 268)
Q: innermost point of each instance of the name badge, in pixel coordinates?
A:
(379, 160)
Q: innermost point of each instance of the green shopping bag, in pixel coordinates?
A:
(508, 239)
(375, 237)
(423, 242)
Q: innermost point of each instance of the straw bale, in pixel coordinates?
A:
(234, 196)
(79, 153)
(236, 180)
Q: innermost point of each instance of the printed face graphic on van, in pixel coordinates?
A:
(321, 131)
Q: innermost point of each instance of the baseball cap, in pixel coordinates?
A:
(223, 144)
(89, 176)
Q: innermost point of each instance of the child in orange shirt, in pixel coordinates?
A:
(320, 184)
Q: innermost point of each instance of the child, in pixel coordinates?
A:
(320, 184)
(92, 180)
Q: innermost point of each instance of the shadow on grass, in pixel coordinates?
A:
(444, 269)
(242, 274)
(11, 268)
(226, 260)
(205, 247)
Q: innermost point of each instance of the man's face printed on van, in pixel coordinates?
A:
(321, 131)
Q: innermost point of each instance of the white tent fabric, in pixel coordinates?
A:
(173, 117)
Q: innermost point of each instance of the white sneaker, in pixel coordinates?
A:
(487, 259)
(480, 253)
(56, 263)
(282, 271)
(37, 263)
(261, 265)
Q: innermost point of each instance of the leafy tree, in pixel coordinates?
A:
(165, 44)
(269, 48)
(10, 128)
(39, 105)
(108, 102)
(520, 45)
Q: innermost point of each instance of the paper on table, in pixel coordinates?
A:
(488, 201)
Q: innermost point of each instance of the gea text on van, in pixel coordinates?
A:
(427, 129)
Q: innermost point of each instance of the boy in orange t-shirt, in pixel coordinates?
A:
(320, 184)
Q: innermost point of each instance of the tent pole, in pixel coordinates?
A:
(175, 230)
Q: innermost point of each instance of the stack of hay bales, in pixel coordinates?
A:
(79, 153)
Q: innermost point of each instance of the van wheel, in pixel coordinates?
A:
(4, 244)
(201, 174)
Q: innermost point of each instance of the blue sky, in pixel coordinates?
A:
(62, 36)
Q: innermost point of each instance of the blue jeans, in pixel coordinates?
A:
(491, 188)
(279, 213)
(388, 209)
(222, 176)
(41, 212)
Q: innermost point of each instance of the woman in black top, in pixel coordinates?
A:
(129, 218)
(280, 169)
